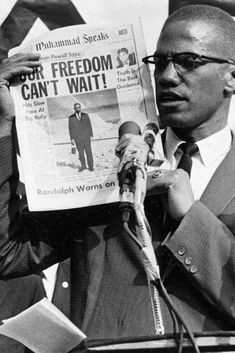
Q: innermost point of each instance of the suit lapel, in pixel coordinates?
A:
(221, 188)
(63, 275)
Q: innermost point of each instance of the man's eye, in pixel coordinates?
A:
(186, 62)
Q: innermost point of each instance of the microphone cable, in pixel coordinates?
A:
(180, 320)
(157, 282)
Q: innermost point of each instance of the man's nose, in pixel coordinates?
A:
(168, 76)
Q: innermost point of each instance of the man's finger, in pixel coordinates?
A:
(23, 57)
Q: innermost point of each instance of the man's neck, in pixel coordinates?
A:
(199, 133)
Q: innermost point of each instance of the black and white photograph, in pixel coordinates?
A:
(85, 131)
(125, 58)
(104, 247)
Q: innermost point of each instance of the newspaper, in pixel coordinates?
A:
(80, 64)
(43, 328)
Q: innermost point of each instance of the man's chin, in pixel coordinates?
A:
(173, 120)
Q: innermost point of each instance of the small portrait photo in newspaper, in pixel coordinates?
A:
(125, 57)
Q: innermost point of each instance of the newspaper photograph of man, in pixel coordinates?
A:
(81, 134)
(84, 129)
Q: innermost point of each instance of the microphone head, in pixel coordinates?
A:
(152, 127)
(129, 127)
(150, 131)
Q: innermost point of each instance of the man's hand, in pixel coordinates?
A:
(175, 190)
(10, 68)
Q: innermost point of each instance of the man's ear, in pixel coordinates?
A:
(230, 82)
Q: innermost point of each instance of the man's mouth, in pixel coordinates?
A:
(170, 97)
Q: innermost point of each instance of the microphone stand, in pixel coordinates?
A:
(133, 201)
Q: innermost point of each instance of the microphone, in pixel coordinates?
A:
(132, 182)
(132, 173)
(128, 127)
(126, 174)
(130, 160)
(150, 132)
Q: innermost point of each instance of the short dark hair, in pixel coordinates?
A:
(122, 50)
(211, 15)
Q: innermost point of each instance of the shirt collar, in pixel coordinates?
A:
(222, 139)
(171, 144)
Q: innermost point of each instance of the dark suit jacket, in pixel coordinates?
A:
(17, 295)
(80, 130)
(109, 293)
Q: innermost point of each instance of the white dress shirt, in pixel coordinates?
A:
(49, 280)
(212, 150)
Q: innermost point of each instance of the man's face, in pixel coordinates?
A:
(123, 56)
(195, 99)
(77, 108)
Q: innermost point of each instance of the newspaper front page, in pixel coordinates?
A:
(68, 112)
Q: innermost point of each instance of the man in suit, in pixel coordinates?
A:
(111, 295)
(80, 131)
(17, 295)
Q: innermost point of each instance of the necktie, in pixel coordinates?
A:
(185, 162)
